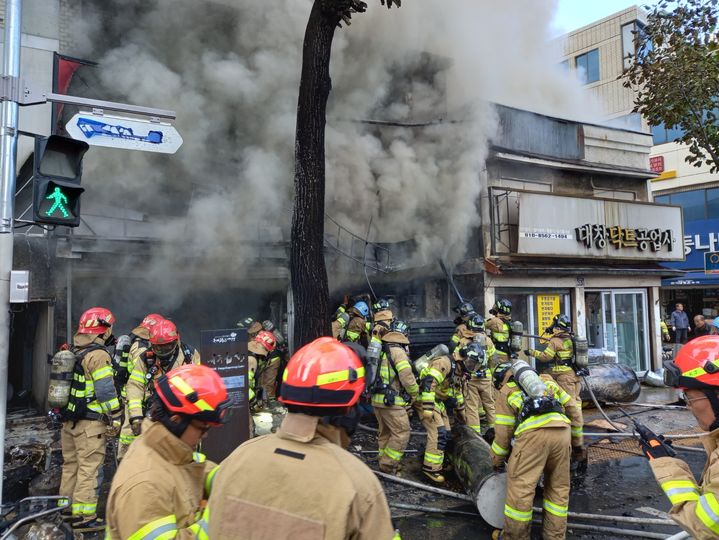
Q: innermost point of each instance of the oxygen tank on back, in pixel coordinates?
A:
(528, 379)
(374, 349)
(424, 360)
(516, 331)
(581, 352)
(58, 393)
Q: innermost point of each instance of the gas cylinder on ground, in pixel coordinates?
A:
(472, 459)
(58, 393)
(611, 382)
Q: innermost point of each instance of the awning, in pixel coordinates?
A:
(693, 279)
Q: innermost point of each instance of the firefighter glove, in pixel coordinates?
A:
(114, 424)
(136, 426)
(528, 352)
(655, 448)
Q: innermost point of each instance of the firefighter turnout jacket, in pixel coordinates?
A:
(146, 369)
(140, 344)
(297, 483)
(497, 329)
(398, 384)
(92, 391)
(695, 506)
(158, 489)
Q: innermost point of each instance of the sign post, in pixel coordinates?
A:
(225, 351)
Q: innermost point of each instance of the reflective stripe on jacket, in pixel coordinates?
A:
(559, 352)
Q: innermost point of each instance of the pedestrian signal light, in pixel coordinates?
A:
(57, 172)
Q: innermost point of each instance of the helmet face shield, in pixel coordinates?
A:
(164, 350)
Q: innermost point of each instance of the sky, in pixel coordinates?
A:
(573, 14)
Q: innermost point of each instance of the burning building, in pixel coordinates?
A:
(421, 166)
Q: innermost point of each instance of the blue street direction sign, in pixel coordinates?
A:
(711, 262)
(122, 132)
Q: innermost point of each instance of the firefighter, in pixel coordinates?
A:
(382, 317)
(358, 327)
(536, 414)
(439, 388)
(276, 360)
(159, 486)
(92, 413)
(166, 352)
(253, 327)
(265, 366)
(139, 343)
(465, 310)
(557, 359)
(665, 331)
(474, 359)
(498, 328)
(695, 505)
(395, 391)
(300, 479)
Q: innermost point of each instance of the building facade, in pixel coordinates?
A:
(599, 53)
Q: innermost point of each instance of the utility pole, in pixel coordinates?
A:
(8, 158)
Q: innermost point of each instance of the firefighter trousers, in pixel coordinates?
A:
(437, 427)
(393, 436)
(535, 452)
(83, 453)
(479, 395)
(268, 378)
(571, 383)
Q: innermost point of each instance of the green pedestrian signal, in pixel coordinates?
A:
(60, 201)
(57, 172)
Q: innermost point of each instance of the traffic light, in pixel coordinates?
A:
(57, 172)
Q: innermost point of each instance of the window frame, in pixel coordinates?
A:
(585, 71)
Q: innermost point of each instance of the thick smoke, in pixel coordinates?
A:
(231, 71)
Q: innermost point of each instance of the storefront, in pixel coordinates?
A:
(697, 290)
(596, 263)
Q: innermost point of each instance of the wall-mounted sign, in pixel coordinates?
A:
(711, 263)
(656, 164)
(553, 225)
(547, 308)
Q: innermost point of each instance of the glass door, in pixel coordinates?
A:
(631, 328)
(617, 321)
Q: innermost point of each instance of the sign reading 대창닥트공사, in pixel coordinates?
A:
(547, 308)
(598, 228)
(225, 351)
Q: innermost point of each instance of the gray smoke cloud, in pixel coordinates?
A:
(231, 71)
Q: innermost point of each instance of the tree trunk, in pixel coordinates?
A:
(307, 264)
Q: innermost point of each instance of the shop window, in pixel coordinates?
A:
(692, 203)
(662, 199)
(661, 134)
(632, 33)
(712, 203)
(536, 309)
(588, 66)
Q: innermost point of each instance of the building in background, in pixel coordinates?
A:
(599, 53)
